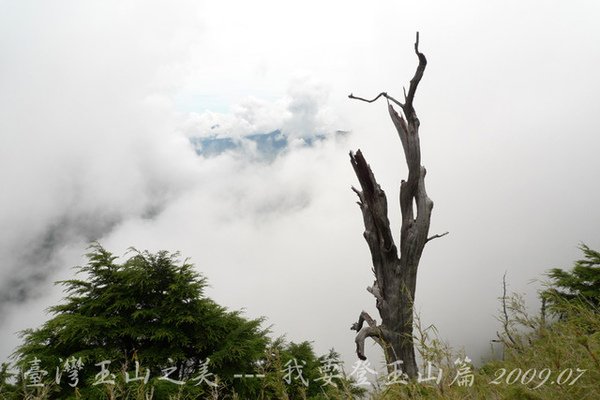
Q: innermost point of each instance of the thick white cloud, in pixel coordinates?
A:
(99, 100)
(302, 112)
(87, 137)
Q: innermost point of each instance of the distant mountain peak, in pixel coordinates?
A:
(266, 146)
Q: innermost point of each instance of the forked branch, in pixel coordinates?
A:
(371, 330)
(407, 106)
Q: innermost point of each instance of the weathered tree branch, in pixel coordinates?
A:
(374, 290)
(373, 204)
(437, 236)
(384, 94)
(371, 330)
(407, 107)
(414, 82)
(367, 331)
(362, 318)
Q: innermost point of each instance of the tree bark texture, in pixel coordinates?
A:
(395, 274)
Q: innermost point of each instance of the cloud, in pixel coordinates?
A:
(87, 140)
(302, 112)
(97, 150)
(99, 103)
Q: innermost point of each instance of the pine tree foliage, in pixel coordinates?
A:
(150, 309)
(581, 283)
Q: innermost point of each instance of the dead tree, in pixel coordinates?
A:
(395, 275)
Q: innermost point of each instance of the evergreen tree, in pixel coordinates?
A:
(149, 310)
(580, 284)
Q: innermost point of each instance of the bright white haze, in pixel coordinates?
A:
(99, 101)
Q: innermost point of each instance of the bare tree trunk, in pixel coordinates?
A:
(395, 275)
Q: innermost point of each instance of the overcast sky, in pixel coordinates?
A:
(99, 100)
